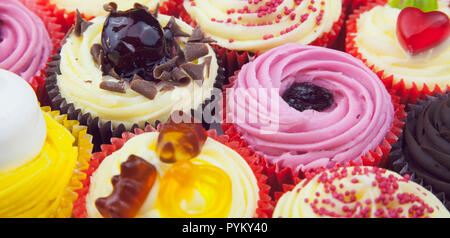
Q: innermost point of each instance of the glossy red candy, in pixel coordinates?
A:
(130, 189)
(418, 31)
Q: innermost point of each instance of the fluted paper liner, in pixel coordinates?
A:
(265, 204)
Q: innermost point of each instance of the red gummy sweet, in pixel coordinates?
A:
(418, 31)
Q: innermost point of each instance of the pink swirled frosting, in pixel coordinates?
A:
(357, 122)
(25, 44)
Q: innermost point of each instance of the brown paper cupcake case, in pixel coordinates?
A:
(406, 94)
(399, 164)
(265, 203)
(103, 132)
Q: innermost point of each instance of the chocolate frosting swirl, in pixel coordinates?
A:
(426, 145)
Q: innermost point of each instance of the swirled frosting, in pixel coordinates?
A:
(262, 25)
(364, 192)
(427, 143)
(376, 40)
(80, 79)
(358, 120)
(244, 185)
(37, 156)
(22, 122)
(25, 45)
(95, 7)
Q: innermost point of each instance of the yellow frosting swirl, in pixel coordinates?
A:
(225, 23)
(80, 79)
(376, 40)
(214, 155)
(299, 203)
(95, 7)
(37, 188)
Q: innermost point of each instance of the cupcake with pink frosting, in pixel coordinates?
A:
(307, 107)
(26, 41)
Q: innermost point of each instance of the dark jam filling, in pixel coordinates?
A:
(305, 96)
(134, 43)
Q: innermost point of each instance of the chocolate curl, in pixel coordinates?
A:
(194, 51)
(143, 87)
(175, 28)
(166, 67)
(110, 7)
(80, 25)
(118, 87)
(179, 77)
(198, 37)
(97, 53)
(195, 71)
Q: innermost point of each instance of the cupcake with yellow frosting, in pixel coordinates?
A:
(116, 80)
(179, 171)
(359, 192)
(43, 154)
(65, 10)
(407, 43)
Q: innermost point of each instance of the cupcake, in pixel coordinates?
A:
(424, 149)
(113, 81)
(178, 171)
(306, 107)
(359, 192)
(25, 41)
(408, 47)
(42, 156)
(65, 10)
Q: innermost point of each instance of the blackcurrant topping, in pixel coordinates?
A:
(304, 96)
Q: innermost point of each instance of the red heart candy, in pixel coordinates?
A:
(418, 31)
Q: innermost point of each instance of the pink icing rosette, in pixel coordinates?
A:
(358, 128)
(25, 44)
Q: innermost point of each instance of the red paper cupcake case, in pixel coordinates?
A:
(256, 162)
(56, 34)
(234, 60)
(282, 180)
(406, 94)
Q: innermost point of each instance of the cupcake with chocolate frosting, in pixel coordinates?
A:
(424, 149)
(129, 69)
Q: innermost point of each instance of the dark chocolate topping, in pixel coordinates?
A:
(143, 87)
(113, 86)
(426, 145)
(80, 25)
(304, 96)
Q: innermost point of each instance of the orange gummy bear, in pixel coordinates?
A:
(130, 189)
(179, 141)
(189, 190)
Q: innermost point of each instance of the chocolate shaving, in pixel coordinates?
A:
(63, 41)
(168, 66)
(97, 53)
(208, 65)
(118, 87)
(198, 37)
(194, 51)
(140, 6)
(110, 7)
(195, 71)
(179, 53)
(175, 28)
(113, 74)
(81, 25)
(180, 77)
(143, 87)
(155, 14)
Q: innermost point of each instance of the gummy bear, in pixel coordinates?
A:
(179, 141)
(184, 181)
(130, 189)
